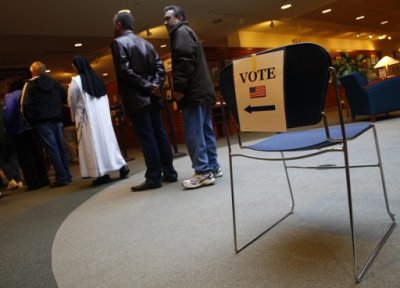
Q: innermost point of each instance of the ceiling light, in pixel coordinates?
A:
(384, 22)
(105, 74)
(389, 37)
(360, 17)
(163, 46)
(382, 37)
(358, 34)
(47, 70)
(286, 6)
(326, 11)
(78, 44)
(370, 36)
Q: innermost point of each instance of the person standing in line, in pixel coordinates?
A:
(8, 156)
(194, 91)
(42, 100)
(140, 76)
(29, 151)
(97, 145)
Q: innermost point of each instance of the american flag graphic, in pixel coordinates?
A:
(258, 91)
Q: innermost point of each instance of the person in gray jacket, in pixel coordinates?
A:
(194, 91)
(140, 76)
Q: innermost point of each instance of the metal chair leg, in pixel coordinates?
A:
(358, 276)
(237, 248)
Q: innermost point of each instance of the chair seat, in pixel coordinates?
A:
(309, 139)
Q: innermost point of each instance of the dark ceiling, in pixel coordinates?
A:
(46, 30)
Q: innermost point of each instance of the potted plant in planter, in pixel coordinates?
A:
(347, 64)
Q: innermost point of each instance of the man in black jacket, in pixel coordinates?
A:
(194, 90)
(140, 75)
(42, 102)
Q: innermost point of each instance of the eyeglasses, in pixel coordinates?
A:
(167, 18)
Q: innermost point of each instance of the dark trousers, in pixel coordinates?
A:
(9, 160)
(149, 129)
(31, 159)
(52, 138)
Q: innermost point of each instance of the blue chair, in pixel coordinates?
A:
(306, 72)
(380, 96)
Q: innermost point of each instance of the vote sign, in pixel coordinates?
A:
(260, 92)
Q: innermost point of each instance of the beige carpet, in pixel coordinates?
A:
(173, 238)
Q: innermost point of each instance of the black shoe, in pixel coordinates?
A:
(58, 184)
(171, 178)
(124, 172)
(101, 180)
(145, 186)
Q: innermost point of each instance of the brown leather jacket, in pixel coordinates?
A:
(138, 67)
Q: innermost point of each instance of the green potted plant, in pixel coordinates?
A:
(347, 64)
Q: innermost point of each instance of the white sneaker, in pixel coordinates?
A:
(20, 185)
(199, 180)
(12, 184)
(217, 173)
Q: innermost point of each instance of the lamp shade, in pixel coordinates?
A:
(386, 61)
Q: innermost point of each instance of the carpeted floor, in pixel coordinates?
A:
(81, 236)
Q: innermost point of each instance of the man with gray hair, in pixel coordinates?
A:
(140, 76)
(42, 107)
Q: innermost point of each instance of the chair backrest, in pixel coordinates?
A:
(306, 75)
(353, 84)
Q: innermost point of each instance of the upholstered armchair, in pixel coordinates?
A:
(377, 97)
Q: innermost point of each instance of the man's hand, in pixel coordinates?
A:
(155, 90)
(178, 95)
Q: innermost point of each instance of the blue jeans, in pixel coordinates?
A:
(200, 138)
(51, 136)
(149, 129)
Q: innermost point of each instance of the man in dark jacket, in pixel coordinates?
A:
(24, 139)
(194, 90)
(42, 100)
(140, 75)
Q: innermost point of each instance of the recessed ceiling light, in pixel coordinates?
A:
(384, 22)
(326, 11)
(78, 44)
(360, 17)
(47, 70)
(105, 74)
(389, 37)
(286, 6)
(163, 45)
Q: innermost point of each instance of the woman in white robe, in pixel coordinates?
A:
(98, 148)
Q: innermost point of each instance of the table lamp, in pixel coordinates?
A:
(385, 62)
